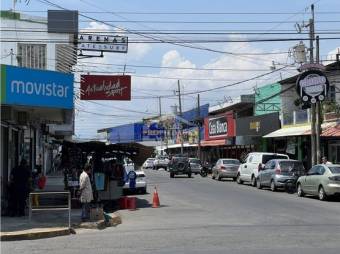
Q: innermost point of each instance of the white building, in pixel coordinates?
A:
(31, 124)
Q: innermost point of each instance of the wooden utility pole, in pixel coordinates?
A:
(317, 113)
(160, 106)
(313, 110)
(198, 127)
(180, 114)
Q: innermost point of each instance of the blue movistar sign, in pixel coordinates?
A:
(31, 87)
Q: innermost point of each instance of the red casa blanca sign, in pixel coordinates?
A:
(105, 87)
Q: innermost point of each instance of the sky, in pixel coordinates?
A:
(156, 67)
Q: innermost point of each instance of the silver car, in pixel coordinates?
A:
(195, 165)
(225, 168)
(279, 173)
(321, 180)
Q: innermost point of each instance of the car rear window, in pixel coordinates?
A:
(268, 157)
(334, 169)
(236, 162)
(140, 175)
(196, 161)
(291, 166)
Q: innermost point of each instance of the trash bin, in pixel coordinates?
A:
(131, 204)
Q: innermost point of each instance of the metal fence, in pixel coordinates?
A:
(51, 208)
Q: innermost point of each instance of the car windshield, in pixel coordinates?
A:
(334, 169)
(196, 161)
(291, 166)
(236, 162)
(268, 157)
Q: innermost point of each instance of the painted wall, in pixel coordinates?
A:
(268, 106)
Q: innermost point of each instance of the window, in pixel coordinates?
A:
(250, 159)
(334, 169)
(321, 170)
(331, 93)
(236, 162)
(313, 170)
(32, 55)
(268, 157)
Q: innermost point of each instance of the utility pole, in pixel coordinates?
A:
(180, 114)
(160, 105)
(318, 107)
(198, 127)
(313, 110)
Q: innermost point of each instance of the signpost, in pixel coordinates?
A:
(312, 86)
(107, 43)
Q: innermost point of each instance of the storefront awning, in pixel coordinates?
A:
(331, 129)
(289, 131)
(218, 142)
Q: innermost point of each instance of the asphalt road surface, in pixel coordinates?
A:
(201, 215)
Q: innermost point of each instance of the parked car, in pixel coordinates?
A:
(141, 184)
(321, 180)
(225, 168)
(179, 165)
(161, 161)
(280, 173)
(148, 163)
(248, 171)
(195, 165)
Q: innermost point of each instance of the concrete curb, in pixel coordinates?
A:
(39, 233)
(34, 234)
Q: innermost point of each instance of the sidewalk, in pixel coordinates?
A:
(46, 224)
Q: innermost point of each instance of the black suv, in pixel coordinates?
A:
(179, 165)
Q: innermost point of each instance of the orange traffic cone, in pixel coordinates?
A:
(155, 202)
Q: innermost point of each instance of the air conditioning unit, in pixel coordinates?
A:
(8, 114)
(22, 118)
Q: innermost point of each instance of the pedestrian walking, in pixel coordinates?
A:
(325, 161)
(20, 187)
(86, 195)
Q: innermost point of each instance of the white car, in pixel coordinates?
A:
(161, 162)
(148, 163)
(249, 170)
(141, 184)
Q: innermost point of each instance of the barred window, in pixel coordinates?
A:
(32, 55)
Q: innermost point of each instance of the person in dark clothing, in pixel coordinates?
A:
(20, 187)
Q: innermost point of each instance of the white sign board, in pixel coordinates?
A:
(108, 43)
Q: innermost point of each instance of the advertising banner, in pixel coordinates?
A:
(257, 125)
(219, 127)
(152, 132)
(105, 87)
(31, 87)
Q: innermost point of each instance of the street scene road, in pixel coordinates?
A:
(201, 215)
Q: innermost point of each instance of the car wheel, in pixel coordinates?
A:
(322, 194)
(258, 184)
(189, 175)
(172, 175)
(238, 179)
(300, 191)
(234, 179)
(253, 181)
(272, 185)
